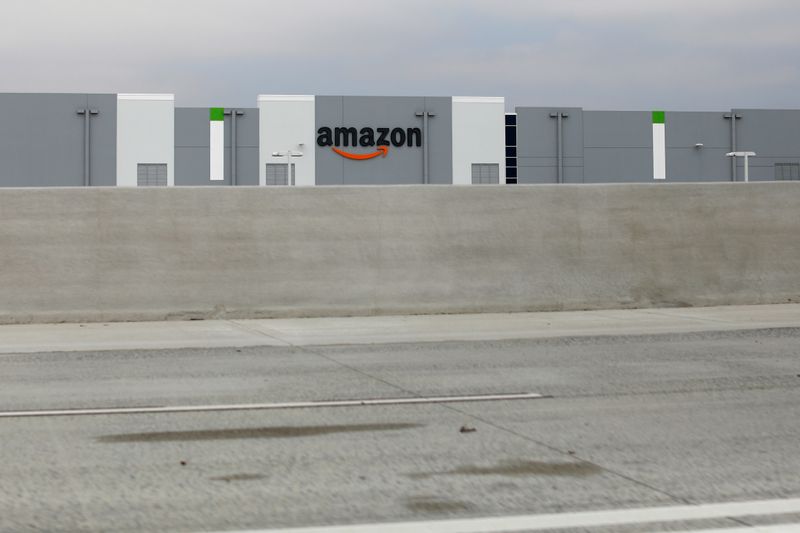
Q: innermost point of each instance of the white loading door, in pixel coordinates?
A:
(277, 174)
(485, 173)
(151, 175)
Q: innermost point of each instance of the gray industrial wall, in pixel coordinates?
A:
(773, 134)
(686, 162)
(125, 254)
(405, 164)
(42, 139)
(616, 146)
(192, 140)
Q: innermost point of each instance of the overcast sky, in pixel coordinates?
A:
(597, 54)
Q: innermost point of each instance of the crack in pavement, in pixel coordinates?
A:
(257, 332)
(509, 431)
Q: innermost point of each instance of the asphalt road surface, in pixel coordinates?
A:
(627, 422)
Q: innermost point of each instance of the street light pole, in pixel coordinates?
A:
(288, 154)
(426, 156)
(746, 167)
(87, 150)
(733, 117)
(747, 156)
(559, 143)
(234, 145)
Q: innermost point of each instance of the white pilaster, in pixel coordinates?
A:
(479, 135)
(287, 123)
(145, 134)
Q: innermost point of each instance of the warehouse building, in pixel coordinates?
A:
(144, 140)
(570, 145)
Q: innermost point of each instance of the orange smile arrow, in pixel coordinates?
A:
(382, 151)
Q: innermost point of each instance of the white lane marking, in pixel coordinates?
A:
(776, 528)
(614, 517)
(267, 406)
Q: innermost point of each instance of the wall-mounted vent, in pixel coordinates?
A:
(151, 175)
(787, 171)
(277, 175)
(485, 173)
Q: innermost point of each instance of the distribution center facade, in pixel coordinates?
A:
(144, 140)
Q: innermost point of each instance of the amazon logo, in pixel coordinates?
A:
(379, 138)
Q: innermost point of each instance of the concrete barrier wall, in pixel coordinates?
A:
(136, 254)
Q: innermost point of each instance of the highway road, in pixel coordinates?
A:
(627, 422)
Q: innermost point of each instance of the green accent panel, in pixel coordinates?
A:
(217, 114)
(658, 117)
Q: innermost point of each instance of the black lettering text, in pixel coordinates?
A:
(398, 136)
(367, 137)
(414, 136)
(346, 136)
(383, 137)
(324, 137)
